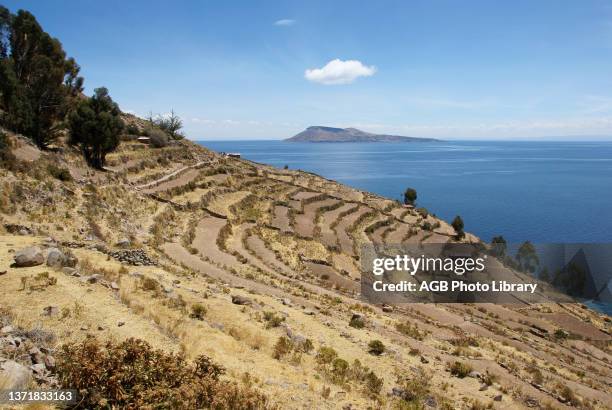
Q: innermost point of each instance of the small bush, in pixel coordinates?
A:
(59, 173)
(282, 347)
(357, 322)
(326, 355)
(376, 347)
(132, 374)
(373, 384)
(159, 139)
(7, 159)
(460, 369)
(198, 311)
(273, 320)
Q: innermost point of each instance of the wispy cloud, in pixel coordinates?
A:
(284, 22)
(339, 72)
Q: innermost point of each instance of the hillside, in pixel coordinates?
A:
(329, 134)
(258, 268)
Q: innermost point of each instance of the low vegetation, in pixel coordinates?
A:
(131, 374)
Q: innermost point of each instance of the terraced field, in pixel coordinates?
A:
(274, 255)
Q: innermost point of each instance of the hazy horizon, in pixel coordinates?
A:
(443, 69)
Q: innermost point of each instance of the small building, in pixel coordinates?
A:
(230, 154)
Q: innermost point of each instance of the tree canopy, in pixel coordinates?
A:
(458, 226)
(410, 195)
(95, 126)
(37, 82)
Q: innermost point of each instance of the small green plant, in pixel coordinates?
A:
(460, 369)
(376, 347)
(282, 347)
(273, 320)
(59, 173)
(357, 322)
(325, 355)
(198, 311)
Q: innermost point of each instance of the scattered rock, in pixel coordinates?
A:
(14, 376)
(120, 323)
(51, 311)
(49, 362)
(286, 302)
(123, 243)
(90, 278)
(430, 401)
(114, 286)
(474, 375)
(6, 329)
(39, 369)
(356, 316)
(135, 257)
(498, 397)
(387, 308)
(241, 300)
(309, 312)
(30, 256)
(483, 387)
(85, 328)
(2, 272)
(424, 360)
(70, 271)
(55, 258)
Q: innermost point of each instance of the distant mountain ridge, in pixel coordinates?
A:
(331, 134)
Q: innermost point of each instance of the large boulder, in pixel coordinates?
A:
(14, 376)
(55, 258)
(30, 256)
(240, 300)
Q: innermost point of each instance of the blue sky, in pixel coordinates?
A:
(267, 69)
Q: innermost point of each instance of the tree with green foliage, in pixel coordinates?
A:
(499, 247)
(171, 124)
(95, 126)
(458, 227)
(37, 81)
(410, 195)
(527, 257)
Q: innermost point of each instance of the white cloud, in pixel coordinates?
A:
(339, 72)
(284, 22)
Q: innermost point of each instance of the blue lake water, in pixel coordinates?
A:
(539, 191)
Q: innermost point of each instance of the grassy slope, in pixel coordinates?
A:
(137, 200)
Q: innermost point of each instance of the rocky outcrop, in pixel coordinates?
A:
(30, 256)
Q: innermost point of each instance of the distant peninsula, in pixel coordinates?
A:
(330, 134)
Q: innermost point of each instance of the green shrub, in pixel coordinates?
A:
(326, 355)
(273, 320)
(357, 322)
(131, 374)
(376, 347)
(159, 139)
(423, 212)
(7, 159)
(282, 347)
(59, 173)
(373, 384)
(198, 311)
(460, 369)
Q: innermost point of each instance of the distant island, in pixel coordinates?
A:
(330, 134)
